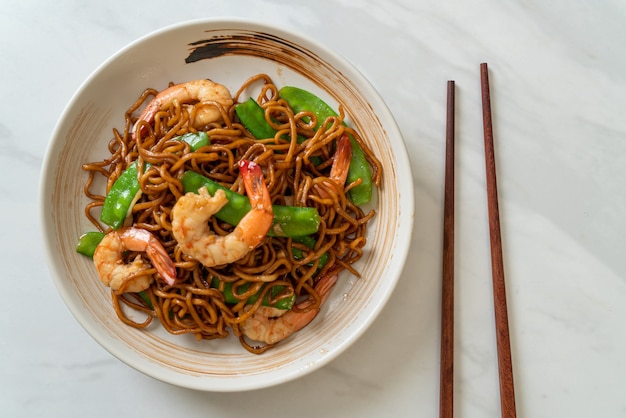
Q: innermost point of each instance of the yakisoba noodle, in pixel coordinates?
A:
(192, 305)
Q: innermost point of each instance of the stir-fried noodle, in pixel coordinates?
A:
(193, 304)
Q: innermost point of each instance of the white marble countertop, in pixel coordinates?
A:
(558, 80)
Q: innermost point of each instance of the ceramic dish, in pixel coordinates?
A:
(227, 51)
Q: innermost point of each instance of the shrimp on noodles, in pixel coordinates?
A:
(271, 325)
(203, 91)
(341, 163)
(192, 211)
(120, 276)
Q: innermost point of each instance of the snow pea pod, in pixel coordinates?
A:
(289, 221)
(194, 139)
(285, 303)
(301, 100)
(310, 242)
(88, 242)
(119, 200)
(252, 116)
(146, 299)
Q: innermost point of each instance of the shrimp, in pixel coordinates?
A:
(203, 91)
(192, 211)
(118, 275)
(341, 163)
(271, 325)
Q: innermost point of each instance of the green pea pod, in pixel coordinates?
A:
(144, 296)
(309, 242)
(252, 116)
(88, 242)
(304, 101)
(118, 202)
(195, 139)
(285, 303)
(289, 221)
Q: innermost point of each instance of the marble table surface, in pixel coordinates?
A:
(558, 83)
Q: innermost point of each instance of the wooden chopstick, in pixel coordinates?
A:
(446, 373)
(505, 368)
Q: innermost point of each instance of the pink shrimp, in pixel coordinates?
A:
(117, 274)
(271, 325)
(202, 91)
(341, 163)
(192, 212)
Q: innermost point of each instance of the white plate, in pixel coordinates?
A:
(241, 48)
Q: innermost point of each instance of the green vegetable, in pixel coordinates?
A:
(285, 303)
(195, 139)
(144, 296)
(88, 242)
(289, 221)
(118, 202)
(252, 116)
(303, 101)
(309, 242)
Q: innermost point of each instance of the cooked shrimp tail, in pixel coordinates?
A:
(192, 212)
(339, 169)
(115, 273)
(341, 160)
(203, 91)
(259, 199)
(161, 260)
(265, 325)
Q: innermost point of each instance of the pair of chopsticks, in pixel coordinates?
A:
(505, 368)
